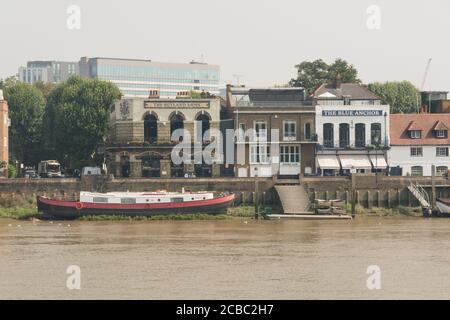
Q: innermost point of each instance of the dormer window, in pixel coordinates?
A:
(441, 133)
(415, 134)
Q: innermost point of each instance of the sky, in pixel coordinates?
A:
(261, 41)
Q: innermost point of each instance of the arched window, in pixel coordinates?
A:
(202, 127)
(176, 122)
(416, 171)
(328, 135)
(344, 135)
(375, 134)
(151, 128)
(360, 135)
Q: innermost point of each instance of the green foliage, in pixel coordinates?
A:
(403, 96)
(12, 173)
(26, 109)
(76, 119)
(44, 88)
(311, 74)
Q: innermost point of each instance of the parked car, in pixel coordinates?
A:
(30, 174)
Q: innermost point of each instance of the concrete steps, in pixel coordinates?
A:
(294, 198)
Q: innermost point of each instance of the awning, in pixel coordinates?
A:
(355, 162)
(378, 161)
(328, 162)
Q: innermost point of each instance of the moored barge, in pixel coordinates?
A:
(136, 204)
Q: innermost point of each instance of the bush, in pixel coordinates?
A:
(12, 171)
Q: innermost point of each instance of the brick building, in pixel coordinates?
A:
(4, 142)
(258, 114)
(142, 136)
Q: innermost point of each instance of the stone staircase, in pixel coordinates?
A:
(294, 198)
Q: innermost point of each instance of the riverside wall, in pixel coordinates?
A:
(371, 191)
(374, 191)
(247, 190)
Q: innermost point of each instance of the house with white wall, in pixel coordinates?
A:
(419, 141)
(352, 130)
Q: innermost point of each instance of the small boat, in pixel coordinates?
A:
(323, 210)
(338, 210)
(322, 203)
(136, 204)
(443, 206)
(338, 203)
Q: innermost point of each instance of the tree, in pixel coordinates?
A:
(76, 119)
(45, 88)
(26, 109)
(402, 96)
(312, 74)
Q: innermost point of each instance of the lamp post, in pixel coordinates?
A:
(377, 146)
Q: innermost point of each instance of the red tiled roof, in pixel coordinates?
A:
(413, 126)
(401, 123)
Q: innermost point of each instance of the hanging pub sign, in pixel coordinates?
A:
(352, 113)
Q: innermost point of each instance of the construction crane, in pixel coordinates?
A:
(425, 75)
(423, 84)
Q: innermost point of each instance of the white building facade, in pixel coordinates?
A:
(351, 138)
(419, 141)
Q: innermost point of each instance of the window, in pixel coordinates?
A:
(344, 135)
(360, 135)
(375, 133)
(416, 152)
(441, 170)
(307, 131)
(128, 200)
(100, 199)
(328, 135)
(290, 154)
(441, 151)
(416, 171)
(261, 130)
(289, 132)
(415, 134)
(150, 128)
(259, 154)
(441, 133)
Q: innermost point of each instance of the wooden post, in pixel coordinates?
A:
(378, 199)
(353, 197)
(388, 199)
(433, 187)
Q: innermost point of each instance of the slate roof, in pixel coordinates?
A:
(353, 90)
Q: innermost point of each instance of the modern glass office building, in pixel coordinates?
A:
(47, 71)
(136, 78)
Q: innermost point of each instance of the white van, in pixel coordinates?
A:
(91, 171)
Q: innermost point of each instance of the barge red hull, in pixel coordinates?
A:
(63, 209)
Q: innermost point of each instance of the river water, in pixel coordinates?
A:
(230, 259)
